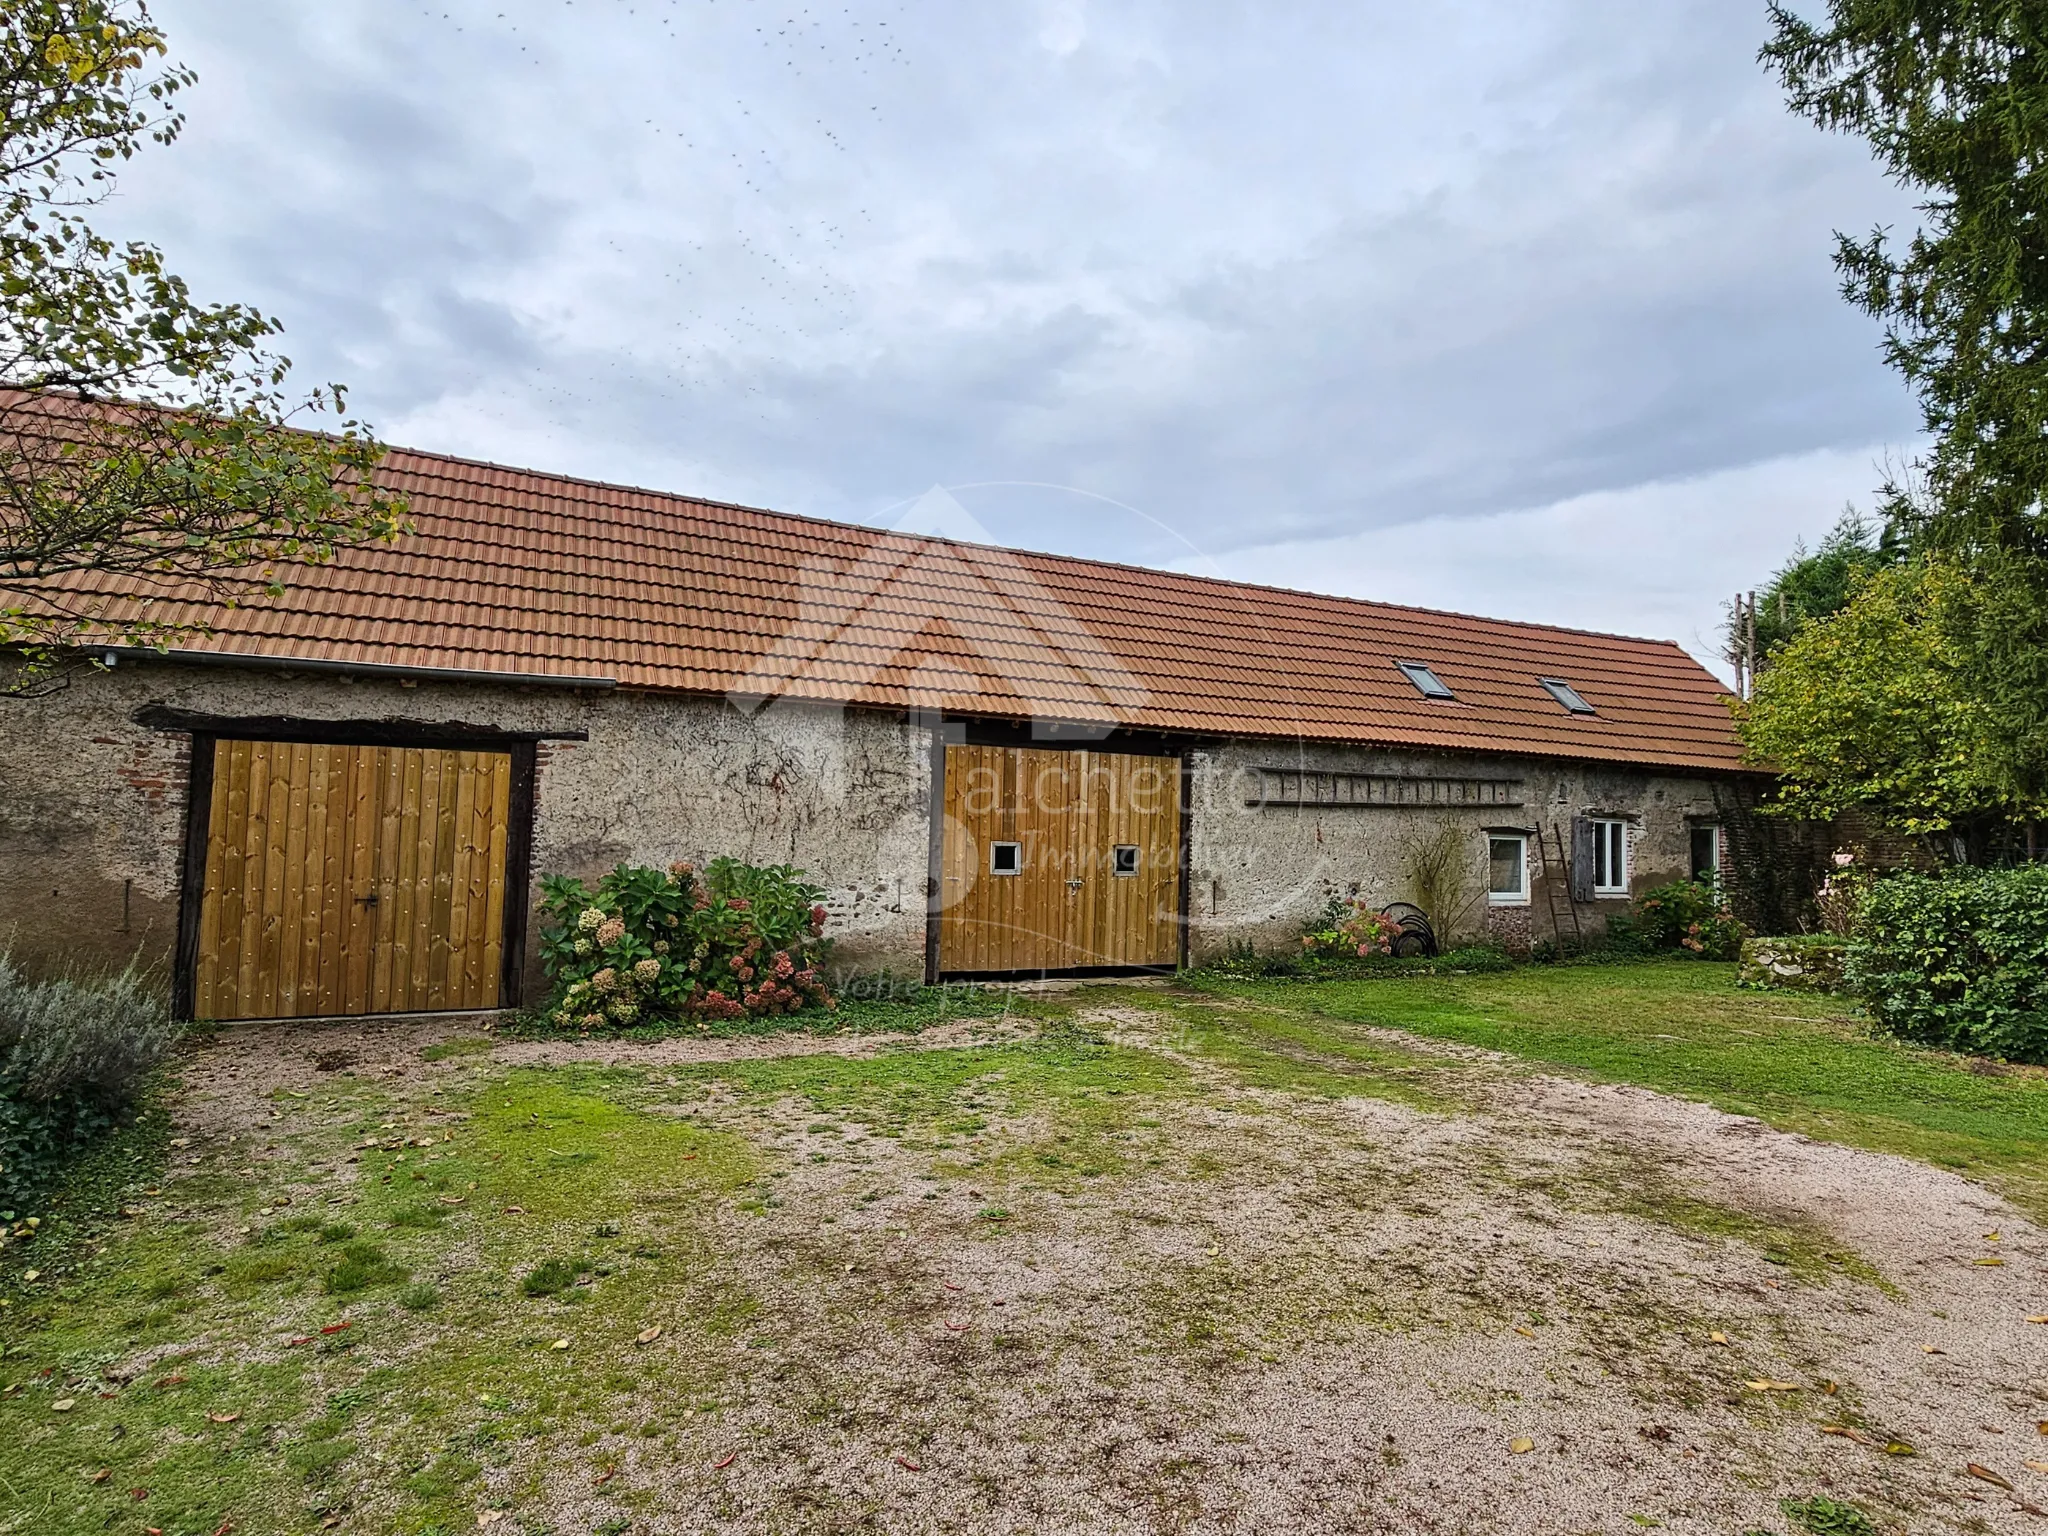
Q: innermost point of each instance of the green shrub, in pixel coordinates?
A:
(74, 1054)
(651, 945)
(1958, 960)
(1350, 928)
(1684, 915)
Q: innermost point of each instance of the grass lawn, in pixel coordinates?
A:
(1798, 1061)
(1065, 1260)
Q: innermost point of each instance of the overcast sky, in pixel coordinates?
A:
(1519, 307)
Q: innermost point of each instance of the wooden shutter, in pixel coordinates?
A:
(1583, 856)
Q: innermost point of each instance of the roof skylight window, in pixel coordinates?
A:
(1566, 695)
(1426, 682)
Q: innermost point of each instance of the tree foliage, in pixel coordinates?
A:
(1872, 708)
(1952, 96)
(144, 436)
(1816, 583)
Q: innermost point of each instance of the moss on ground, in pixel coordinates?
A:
(291, 1373)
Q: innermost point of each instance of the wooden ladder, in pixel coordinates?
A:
(1562, 876)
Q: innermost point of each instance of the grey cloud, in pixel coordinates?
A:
(1262, 273)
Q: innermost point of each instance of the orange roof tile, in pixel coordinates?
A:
(525, 573)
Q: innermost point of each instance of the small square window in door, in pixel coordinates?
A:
(1123, 859)
(1005, 858)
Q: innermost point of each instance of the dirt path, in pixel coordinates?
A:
(1570, 1308)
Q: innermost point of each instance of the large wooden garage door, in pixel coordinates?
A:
(1058, 860)
(344, 880)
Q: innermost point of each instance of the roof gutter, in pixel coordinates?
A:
(114, 655)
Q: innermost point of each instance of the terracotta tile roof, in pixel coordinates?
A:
(516, 572)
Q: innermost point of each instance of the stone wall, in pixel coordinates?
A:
(1257, 874)
(92, 809)
(92, 804)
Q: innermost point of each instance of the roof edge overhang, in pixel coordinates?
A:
(113, 655)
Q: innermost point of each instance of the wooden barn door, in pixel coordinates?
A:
(1058, 860)
(345, 880)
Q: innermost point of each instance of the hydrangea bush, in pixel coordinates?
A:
(654, 946)
(1686, 914)
(1349, 926)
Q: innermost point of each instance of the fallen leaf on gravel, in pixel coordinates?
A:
(1520, 1444)
(959, 1327)
(2037, 1466)
(489, 1517)
(64, 1405)
(223, 1528)
(908, 1465)
(103, 1474)
(1899, 1448)
(647, 1335)
(604, 1477)
(1989, 1476)
(2043, 1318)
(1846, 1433)
(1929, 1349)
(720, 1466)
(515, 1210)
(341, 1327)
(1773, 1386)
(949, 1285)
(1987, 1263)
(453, 1199)
(1717, 1337)
(223, 1418)
(1661, 1433)
(304, 1338)
(1527, 1333)
(559, 1344)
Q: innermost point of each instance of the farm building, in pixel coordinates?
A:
(341, 800)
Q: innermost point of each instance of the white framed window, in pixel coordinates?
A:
(1005, 858)
(1706, 854)
(1610, 857)
(1507, 869)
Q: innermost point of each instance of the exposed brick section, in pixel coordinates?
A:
(158, 767)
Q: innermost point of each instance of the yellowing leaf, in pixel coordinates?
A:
(1717, 1337)
(1520, 1444)
(647, 1335)
(1985, 1474)
(223, 1418)
(1525, 1331)
(1988, 1263)
(2036, 1466)
(1767, 1385)
(1899, 1448)
(559, 1344)
(64, 1405)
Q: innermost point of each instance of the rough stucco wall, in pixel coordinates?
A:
(1256, 876)
(92, 805)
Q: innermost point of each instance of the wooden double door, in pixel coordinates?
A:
(1058, 860)
(351, 879)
